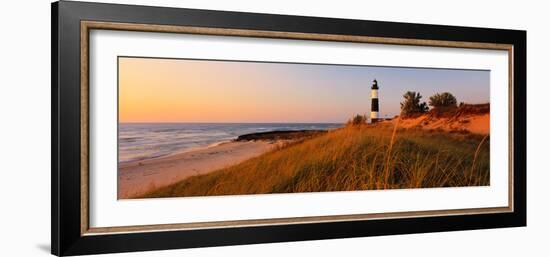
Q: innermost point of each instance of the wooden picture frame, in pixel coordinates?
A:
(71, 25)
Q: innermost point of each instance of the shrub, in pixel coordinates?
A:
(357, 120)
(443, 100)
(412, 105)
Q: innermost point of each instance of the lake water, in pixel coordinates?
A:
(139, 141)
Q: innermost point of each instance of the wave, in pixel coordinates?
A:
(147, 141)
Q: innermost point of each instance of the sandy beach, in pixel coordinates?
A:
(138, 177)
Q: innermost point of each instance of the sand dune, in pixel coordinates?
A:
(477, 124)
(138, 177)
(472, 118)
(350, 159)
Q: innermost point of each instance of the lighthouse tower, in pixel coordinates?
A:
(374, 111)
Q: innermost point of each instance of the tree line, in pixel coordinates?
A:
(413, 105)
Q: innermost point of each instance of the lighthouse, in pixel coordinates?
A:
(374, 111)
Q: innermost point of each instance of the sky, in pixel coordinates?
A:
(181, 90)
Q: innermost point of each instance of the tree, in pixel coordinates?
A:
(412, 104)
(444, 100)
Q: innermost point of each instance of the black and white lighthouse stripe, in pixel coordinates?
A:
(374, 111)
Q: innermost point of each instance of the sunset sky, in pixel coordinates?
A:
(173, 90)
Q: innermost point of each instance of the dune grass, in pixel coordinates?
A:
(352, 158)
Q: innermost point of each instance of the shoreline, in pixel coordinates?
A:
(138, 177)
(192, 149)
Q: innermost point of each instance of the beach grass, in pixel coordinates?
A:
(364, 157)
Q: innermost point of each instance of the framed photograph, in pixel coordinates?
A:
(178, 128)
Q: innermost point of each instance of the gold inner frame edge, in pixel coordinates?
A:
(86, 26)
